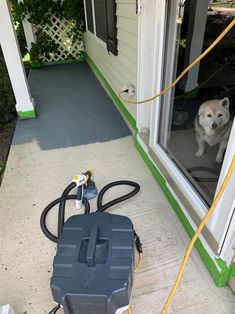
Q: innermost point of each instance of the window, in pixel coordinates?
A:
(89, 16)
(101, 21)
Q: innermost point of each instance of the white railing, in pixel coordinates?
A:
(61, 31)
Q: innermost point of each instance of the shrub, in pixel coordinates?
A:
(7, 99)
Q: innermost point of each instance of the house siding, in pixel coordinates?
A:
(121, 69)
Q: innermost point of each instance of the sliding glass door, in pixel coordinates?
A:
(193, 130)
(191, 133)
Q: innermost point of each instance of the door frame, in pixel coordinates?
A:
(217, 234)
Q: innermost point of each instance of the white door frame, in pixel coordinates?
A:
(150, 70)
(150, 47)
(224, 218)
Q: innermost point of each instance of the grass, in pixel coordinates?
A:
(224, 5)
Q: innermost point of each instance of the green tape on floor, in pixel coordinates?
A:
(31, 114)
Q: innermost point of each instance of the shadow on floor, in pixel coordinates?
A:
(72, 109)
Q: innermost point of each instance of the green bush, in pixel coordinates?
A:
(7, 99)
(39, 13)
(1, 167)
(16, 14)
(43, 47)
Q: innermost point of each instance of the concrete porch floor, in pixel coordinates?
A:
(37, 172)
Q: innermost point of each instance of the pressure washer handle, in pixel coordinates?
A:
(94, 236)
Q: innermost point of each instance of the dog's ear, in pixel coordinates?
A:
(201, 110)
(225, 102)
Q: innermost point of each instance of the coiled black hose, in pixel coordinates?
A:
(100, 207)
(61, 213)
(43, 225)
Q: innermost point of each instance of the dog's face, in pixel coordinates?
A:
(213, 114)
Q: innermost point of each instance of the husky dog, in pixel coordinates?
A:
(213, 126)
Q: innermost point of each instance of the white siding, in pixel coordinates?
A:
(121, 69)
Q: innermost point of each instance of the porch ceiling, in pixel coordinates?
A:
(72, 109)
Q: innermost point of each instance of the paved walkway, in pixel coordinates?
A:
(36, 175)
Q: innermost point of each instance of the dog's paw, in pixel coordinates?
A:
(199, 153)
(219, 159)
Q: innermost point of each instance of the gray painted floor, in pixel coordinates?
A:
(72, 108)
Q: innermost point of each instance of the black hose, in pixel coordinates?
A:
(43, 225)
(204, 169)
(55, 309)
(61, 211)
(100, 207)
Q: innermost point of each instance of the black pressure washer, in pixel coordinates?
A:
(94, 265)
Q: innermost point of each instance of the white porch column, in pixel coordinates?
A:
(12, 55)
(195, 38)
(28, 31)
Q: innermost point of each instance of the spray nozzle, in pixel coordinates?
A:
(90, 190)
(90, 176)
(86, 187)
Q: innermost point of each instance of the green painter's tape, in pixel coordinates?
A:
(114, 96)
(232, 270)
(219, 271)
(221, 278)
(31, 114)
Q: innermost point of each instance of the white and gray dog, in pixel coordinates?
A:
(213, 126)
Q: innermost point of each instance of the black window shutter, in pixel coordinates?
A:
(100, 19)
(89, 16)
(111, 26)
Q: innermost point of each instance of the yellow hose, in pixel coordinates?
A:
(198, 59)
(137, 267)
(202, 224)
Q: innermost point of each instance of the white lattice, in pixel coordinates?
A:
(61, 31)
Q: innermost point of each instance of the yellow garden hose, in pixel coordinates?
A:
(137, 267)
(202, 224)
(198, 59)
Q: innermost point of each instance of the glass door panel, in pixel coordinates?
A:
(196, 116)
